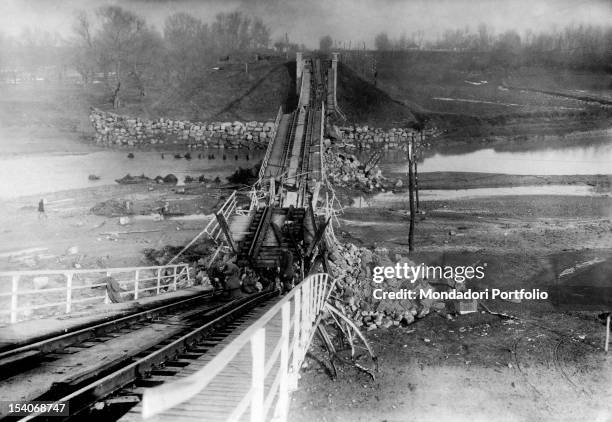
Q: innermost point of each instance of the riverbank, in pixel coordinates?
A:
(70, 235)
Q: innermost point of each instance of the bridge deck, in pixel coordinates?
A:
(261, 238)
(219, 399)
(275, 163)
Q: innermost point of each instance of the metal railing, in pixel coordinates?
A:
(213, 229)
(43, 293)
(256, 197)
(264, 162)
(273, 372)
(321, 143)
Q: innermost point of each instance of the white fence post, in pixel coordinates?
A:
(297, 323)
(258, 352)
(174, 278)
(14, 293)
(136, 284)
(158, 280)
(69, 292)
(282, 405)
(106, 297)
(305, 317)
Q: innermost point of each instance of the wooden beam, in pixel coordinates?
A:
(226, 231)
(260, 233)
(318, 237)
(277, 233)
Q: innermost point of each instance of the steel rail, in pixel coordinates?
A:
(100, 388)
(61, 341)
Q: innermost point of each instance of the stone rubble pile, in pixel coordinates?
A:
(347, 171)
(352, 267)
(114, 129)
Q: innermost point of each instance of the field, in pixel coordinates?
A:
(466, 95)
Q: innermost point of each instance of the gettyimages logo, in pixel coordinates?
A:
(459, 274)
(412, 273)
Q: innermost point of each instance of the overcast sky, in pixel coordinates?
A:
(307, 20)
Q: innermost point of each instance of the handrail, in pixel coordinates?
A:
(212, 228)
(84, 270)
(64, 291)
(321, 148)
(264, 162)
(299, 311)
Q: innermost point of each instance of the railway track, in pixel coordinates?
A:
(100, 375)
(17, 358)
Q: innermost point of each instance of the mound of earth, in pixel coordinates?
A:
(363, 103)
(111, 208)
(132, 180)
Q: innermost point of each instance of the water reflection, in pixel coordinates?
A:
(588, 158)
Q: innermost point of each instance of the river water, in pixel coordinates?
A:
(31, 174)
(37, 174)
(388, 199)
(588, 158)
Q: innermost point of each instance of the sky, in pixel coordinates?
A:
(306, 21)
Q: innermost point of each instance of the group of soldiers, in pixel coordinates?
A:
(236, 281)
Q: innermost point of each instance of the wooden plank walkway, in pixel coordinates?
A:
(219, 399)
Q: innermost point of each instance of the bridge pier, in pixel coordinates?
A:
(299, 69)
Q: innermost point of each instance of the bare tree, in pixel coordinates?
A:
(260, 34)
(188, 46)
(382, 42)
(83, 56)
(325, 43)
(126, 47)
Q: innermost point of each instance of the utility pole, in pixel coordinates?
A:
(416, 172)
(287, 46)
(411, 195)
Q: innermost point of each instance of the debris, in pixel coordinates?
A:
(40, 282)
(110, 208)
(132, 180)
(73, 250)
(171, 179)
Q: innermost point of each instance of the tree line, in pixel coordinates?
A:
(119, 47)
(577, 46)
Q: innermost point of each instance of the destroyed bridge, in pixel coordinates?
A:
(240, 363)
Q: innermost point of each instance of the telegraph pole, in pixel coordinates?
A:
(416, 172)
(411, 194)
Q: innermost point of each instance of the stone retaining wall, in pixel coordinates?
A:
(365, 137)
(113, 129)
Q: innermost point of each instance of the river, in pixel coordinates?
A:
(31, 174)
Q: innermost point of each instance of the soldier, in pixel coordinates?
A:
(286, 269)
(41, 209)
(232, 278)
